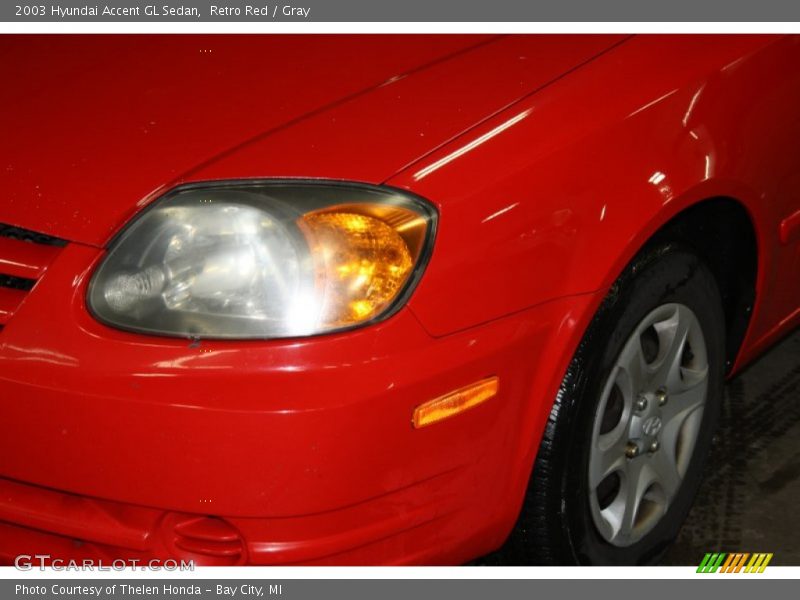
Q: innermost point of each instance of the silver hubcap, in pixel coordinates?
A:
(647, 423)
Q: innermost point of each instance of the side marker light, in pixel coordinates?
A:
(455, 402)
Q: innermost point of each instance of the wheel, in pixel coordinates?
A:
(622, 455)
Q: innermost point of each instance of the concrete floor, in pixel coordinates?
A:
(750, 498)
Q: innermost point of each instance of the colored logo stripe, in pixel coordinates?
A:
(735, 562)
(711, 562)
(758, 563)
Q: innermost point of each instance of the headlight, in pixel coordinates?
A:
(264, 260)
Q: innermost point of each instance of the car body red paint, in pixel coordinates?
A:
(551, 160)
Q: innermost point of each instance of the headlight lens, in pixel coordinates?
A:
(264, 260)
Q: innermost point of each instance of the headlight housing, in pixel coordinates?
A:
(264, 259)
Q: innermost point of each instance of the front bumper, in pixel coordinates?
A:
(115, 445)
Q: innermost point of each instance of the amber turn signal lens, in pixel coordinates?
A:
(455, 402)
(363, 256)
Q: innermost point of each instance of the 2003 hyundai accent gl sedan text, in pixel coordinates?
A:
(382, 299)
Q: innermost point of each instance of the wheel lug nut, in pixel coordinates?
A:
(654, 446)
(662, 397)
(641, 403)
(631, 450)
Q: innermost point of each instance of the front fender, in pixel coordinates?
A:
(555, 195)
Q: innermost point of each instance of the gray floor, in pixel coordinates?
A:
(750, 498)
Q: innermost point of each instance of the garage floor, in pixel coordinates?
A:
(750, 499)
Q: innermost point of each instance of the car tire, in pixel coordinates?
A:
(638, 506)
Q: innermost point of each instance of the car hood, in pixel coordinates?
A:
(94, 127)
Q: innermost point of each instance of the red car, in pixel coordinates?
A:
(382, 299)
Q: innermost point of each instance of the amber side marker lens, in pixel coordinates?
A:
(455, 402)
